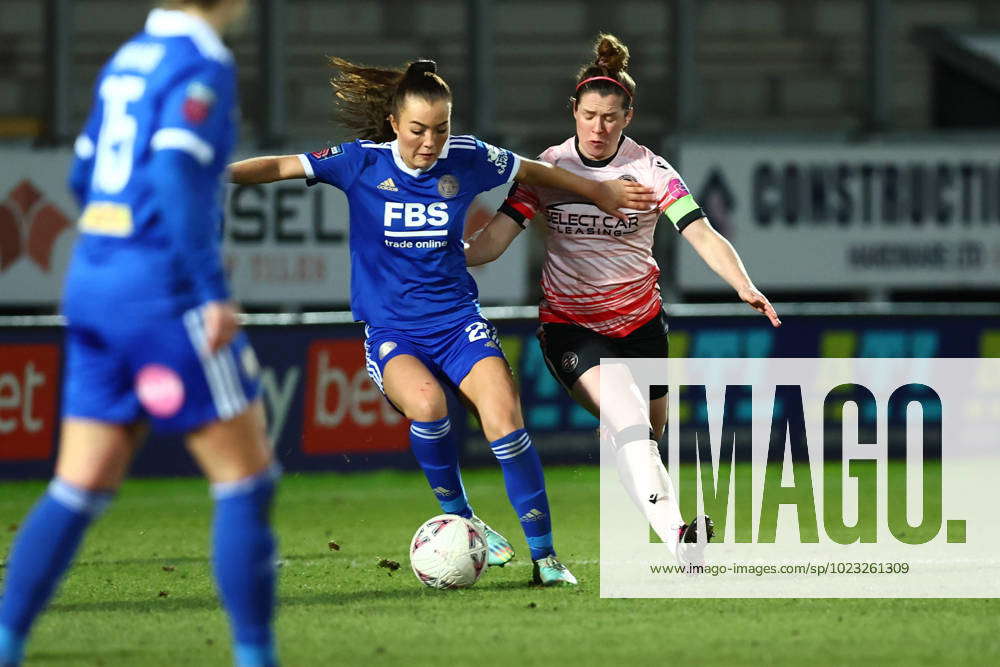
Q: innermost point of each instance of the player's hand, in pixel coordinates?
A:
(753, 297)
(221, 324)
(615, 194)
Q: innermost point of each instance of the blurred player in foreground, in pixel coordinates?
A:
(409, 184)
(152, 333)
(601, 294)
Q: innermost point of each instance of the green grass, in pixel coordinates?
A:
(119, 606)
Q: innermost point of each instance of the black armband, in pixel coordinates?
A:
(515, 215)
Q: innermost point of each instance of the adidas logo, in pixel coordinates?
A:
(533, 515)
(387, 184)
(440, 490)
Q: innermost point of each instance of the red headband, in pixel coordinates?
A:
(605, 78)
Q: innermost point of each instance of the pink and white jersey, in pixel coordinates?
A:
(599, 271)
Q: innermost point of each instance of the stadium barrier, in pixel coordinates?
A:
(325, 414)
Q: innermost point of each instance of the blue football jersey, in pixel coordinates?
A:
(170, 88)
(407, 260)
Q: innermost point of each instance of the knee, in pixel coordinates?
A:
(426, 409)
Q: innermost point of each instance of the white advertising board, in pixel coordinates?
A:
(827, 216)
(285, 243)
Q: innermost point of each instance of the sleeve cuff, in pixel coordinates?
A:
(516, 167)
(307, 166)
(213, 287)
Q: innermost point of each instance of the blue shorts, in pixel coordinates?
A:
(138, 369)
(449, 354)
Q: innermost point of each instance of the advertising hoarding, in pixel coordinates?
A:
(841, 216)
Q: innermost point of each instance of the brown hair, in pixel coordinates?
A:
(365, 96)
(610, 60)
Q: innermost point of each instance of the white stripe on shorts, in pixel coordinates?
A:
(373, 372)
(220, 369)
(232, 374)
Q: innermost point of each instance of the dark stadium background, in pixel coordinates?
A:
(773, 109)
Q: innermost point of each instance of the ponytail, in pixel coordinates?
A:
(366, 96)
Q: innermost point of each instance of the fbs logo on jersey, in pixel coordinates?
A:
(198, 103)
(415, 219)
(29, 225)
(387, 184)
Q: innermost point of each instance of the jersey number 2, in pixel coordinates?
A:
(116, 140)
(480, 331)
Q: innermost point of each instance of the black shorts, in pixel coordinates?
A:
(570, 350)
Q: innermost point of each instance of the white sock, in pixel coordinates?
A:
(649, 486)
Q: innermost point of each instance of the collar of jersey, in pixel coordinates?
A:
(175, 23)
(587, 162)
(394, 145)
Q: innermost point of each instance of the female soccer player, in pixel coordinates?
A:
(601, 296)
(409, 185)
(152, 334)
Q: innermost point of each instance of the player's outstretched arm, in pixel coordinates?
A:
(266, 169)
(721, 257)
(490, 242)
(609, 196)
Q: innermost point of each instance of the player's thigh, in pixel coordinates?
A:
(612, 389)
(95, 455)
(98, 383)
(489, 385)
(232, 449)
(573, 356)
(570, 352)
(413, 389)
(650, 342)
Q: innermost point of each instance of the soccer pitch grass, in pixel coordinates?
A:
(141, 592)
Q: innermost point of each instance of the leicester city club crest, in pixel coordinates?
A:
(448, 186)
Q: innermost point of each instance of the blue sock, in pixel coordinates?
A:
(436, 452)
(251, 655)
(522, 474)
(42, 552)
(243, 561)
(11, 648)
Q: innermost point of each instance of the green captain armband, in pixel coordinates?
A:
(683, 212)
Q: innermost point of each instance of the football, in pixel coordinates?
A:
(448, 551)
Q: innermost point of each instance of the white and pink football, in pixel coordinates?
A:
(448, 551)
